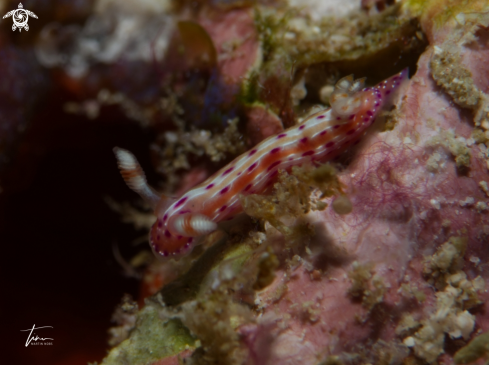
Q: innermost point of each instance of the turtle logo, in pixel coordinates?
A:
(20, 17)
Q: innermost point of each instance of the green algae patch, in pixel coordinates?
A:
(270, 27)
(441, 11)
(237, 256)
(267, 265)
(187, 286)
(250, 89)
(151, 340)
(229, 267)
(349, 38)
(213, 315)
(476, 349)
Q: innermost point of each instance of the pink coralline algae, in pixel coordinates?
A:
(234, 36)
(262, 123)
(410, 197)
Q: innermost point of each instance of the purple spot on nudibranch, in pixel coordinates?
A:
(165, 253)
(377, 104)
(228, 171)
(356, 142)
(247, 187)
(167, 233)
(369, 113)
(252, 167)
(320, 117)
(329, 144)
(366, 119)
(338, 118)
(281, 136)
(223, 208)
(273, 174)
(210, 186)
(275, 150)
(184, 211)
(252, 152)
(336, 126)
(165, 217)
(308, 153)
(225, 190)
(387, 92)
(273, 165)
(290, 158)
(239, 173)
(158, 237)
(181, 201)
(350, 132)
(323, 133)
(302, 127)
(351, 116)
(160, 224)
(303, 140)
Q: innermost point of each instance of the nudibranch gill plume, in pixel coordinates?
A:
(319, 138)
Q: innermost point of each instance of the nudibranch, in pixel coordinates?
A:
(321, 137)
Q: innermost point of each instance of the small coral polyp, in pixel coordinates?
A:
(320, 138)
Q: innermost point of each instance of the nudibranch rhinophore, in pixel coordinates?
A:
(321, 137)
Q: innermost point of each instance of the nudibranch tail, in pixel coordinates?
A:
(133, 175)
(392, 85)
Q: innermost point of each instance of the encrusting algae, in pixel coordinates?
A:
(477, 348)
(454, 298)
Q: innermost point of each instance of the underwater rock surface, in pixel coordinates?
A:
(393, 270)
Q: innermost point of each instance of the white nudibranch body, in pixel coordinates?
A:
(216, 202)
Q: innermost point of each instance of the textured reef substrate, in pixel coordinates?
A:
(380, 257)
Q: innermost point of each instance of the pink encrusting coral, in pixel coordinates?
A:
(321, 137)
